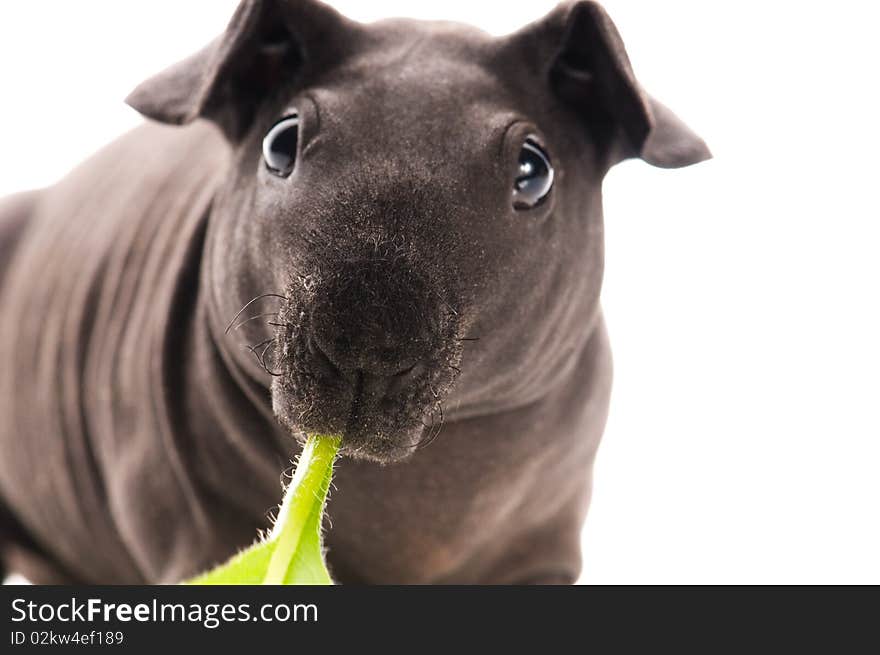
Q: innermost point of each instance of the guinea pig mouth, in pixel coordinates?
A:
(383, 415)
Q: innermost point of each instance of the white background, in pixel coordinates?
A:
(742, 294)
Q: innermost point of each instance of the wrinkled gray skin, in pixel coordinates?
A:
(405, 288)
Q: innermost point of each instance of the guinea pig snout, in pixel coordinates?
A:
(375, 323)
(369, 351)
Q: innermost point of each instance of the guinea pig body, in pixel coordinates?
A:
(391, 232)
(136, 450)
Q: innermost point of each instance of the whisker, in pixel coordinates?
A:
(262, 359)
(254, 318)
(433, 434)
(263, 354)
(251, 302)
(262, 343)
(253, 349)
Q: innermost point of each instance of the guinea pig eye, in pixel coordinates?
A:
(279, 146)
(534, 179)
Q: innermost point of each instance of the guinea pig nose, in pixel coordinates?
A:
(379, 385)
(405, 371)
(321, 360)
(406, 376)
(376, 318)
(367, 354)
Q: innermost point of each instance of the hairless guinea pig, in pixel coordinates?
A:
(374, 230)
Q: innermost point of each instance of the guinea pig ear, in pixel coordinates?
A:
(591, 70)
(265, 44)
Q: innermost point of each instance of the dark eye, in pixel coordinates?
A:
(534, 179)
(279, 146)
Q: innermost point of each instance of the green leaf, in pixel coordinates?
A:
(248, 567)
(292, 553)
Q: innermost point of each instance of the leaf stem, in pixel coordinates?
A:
(309, 484)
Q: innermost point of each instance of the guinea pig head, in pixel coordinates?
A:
(411, 226)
